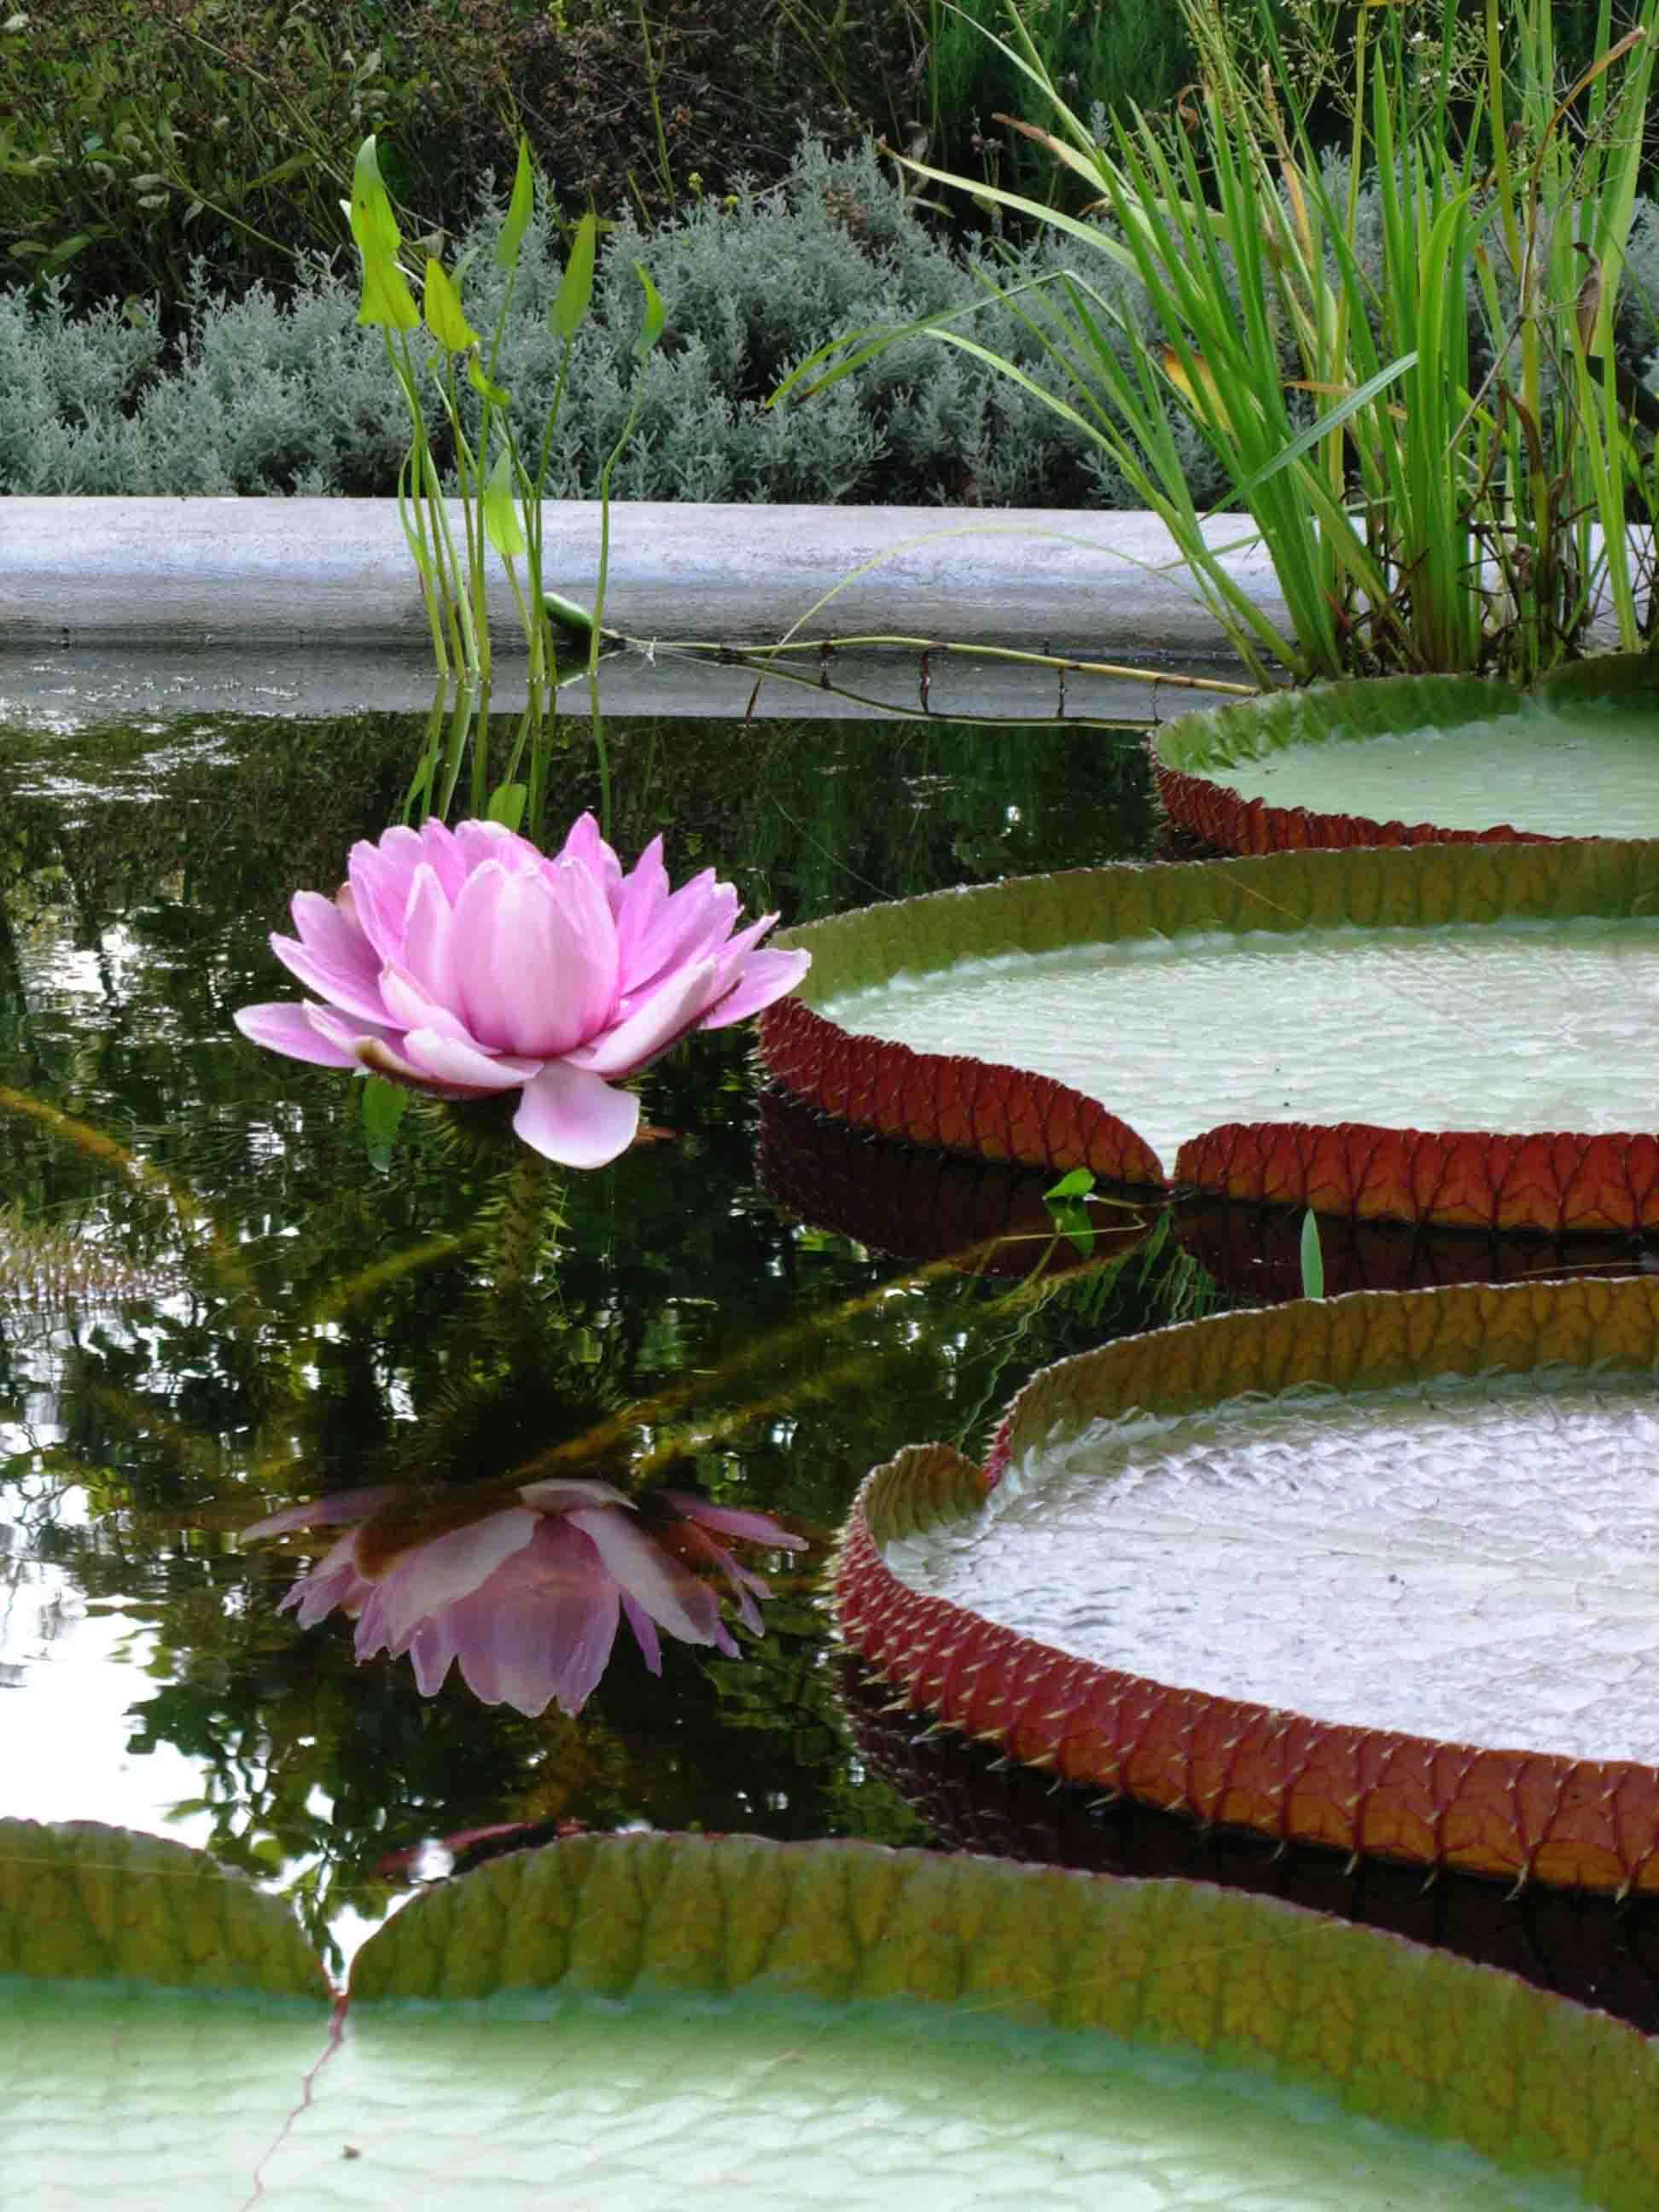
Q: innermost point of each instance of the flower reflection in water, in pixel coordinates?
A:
(523, 1586)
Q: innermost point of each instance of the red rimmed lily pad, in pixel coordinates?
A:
(1376, 1572)
(1413, 760)
(1455, 1033)
(1588, 1945)
(653, 2020)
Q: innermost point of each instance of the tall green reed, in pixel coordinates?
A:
(499, 494)
(1436, 451)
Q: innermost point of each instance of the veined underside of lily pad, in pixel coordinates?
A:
(1454, 1034)
(1379, 1572)
(672, 2021)
(1412, 760)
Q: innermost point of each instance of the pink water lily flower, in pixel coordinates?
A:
(524, 1586)
(466, 962)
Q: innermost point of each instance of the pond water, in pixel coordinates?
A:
(215, 1298)
(219, 1296)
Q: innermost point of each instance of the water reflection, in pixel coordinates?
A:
(218, 1294)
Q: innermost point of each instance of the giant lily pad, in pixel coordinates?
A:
(658, 2021)
(1588, 1945)
(1411, 760)
(1460, 1034)
(1376, 1572)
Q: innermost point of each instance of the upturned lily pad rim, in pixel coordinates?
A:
(1279, 892)
(1523, 1815)
(971, 1948)
(1555, 1181)
(1191, 755)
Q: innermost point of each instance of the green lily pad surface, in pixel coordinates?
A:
(1454, 1033)
(665, 2021)
(1405, 1559)
(1411, 758)
(1507, 1025)
(1377, 1572)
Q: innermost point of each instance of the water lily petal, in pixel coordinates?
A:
(576, 1118)
(323, 1512)
(730, 960)
(410, 1007)
(666, 1014)
(766, 977)
(734, 1520)
(535, 958)
(746, 1585)
(441, 853)
(557, 1494)
(345, 986)
(437, 1572)
(381, 876)
(480, 842)
(335, 1581)
(694, 922)
(585, 844)
(451, 1060)
(431, 1649)
(542, 1627)
(330, 931)
(379, 1059)
(642, 894)
(645, 1632)
(664, 1585)
(581, 898)
(288, 1027)
(428, 937)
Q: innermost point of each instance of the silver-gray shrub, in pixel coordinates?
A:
(276, 395)
(269, 395)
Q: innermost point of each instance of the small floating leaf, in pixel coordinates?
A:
(496, 394)
(651, 328)
(385, 297)
(1313, 1257)
(507, 803)
(502, 523)
(384, 1106)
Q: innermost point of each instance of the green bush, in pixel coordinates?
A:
(137, 136)
(1108, 52)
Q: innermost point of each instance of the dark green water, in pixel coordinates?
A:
(212, 1301)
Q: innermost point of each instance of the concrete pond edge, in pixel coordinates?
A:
(313, 605)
